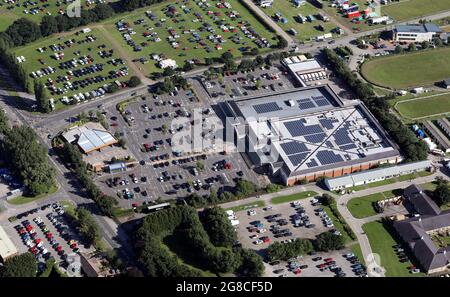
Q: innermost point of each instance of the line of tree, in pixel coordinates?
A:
(243, 189)
(285, 251)
(186, 224)
(413, 149)
(27, 159)
(87, 226)
(74, 160)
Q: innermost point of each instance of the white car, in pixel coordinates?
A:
(251, 212)
(258, 242)
(262, 230)
(267, 208)
(416, 270)
(253, 236)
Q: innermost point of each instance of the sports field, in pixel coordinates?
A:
(307, 30)
(409, 9)
(190, 31)
(421, 68)
(424, 106)
(36, 10)
(97, 64)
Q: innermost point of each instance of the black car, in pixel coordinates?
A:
(315, 259)
(278, 271)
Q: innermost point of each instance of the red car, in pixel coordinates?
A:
(49, 235)
(73, 246)
(37, 240)
(29, 228)
(33, 250)
(265, 239)
(22, 231)
(297, 271)
(134, 205)
(58, 248)
(321, 266)
(328, 259)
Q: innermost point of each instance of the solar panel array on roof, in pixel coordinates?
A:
(315, 138)
(293, 147)
(298, 158)
(306, 105)
(312, 163)
(326, 123)
(341, 137)
(297, 128)
(266, 107)
(321, 101)
(348, 147)
(328, 157)
(329, 143)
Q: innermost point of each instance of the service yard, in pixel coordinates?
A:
(75, 67)
(421, 68)
(10, 10)
(189, 31)
(163, 171)
(305, 20)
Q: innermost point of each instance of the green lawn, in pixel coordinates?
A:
(421, 68)
(36, 60)
(306, 31)
(424, 107)
(293, 197)
(337, 223)
(362, 207)
(69, 207)
(409, 9)
(356, 249)
(185, 24)
(23, 199)
(247, 206)
(382, 244)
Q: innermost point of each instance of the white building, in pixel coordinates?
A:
(416, 32)
(168, 63)
(374, 175)
(306, 71)
(7, 247)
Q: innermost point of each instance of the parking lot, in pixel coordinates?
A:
(260, 227)
(75, 67)
(245, 84)
(331, 264)
(46, 233)
(163, 172)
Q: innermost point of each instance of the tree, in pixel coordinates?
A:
(282, 43)
(245, 188)
(442, 192)
(285, 251)
(49, 25)
(327, 241)
(122, 142)
(258, 84)
(41, 95)
(251, 264)
(220, 78)
(398, 49)
(200, 165)
(412, 47)
(87, 226)
(23, 31)
(134, 81)
(23, 265)
(438, 42)
(425, 44)
(164, 128)
(216, 224)
(326, 199)
(3, 122)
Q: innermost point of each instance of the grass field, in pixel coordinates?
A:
(356, 249)
(409, 9)
(382, 244)
(362, 207)
(337, 223)
(186, 26)
(421, 68)
(293, 197)
(424, 107)
(247, 206)
(10, 12)
(306, 31)
(36, 61)
(25, 199)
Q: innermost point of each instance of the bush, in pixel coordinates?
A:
(328, 241)
(285, 251)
